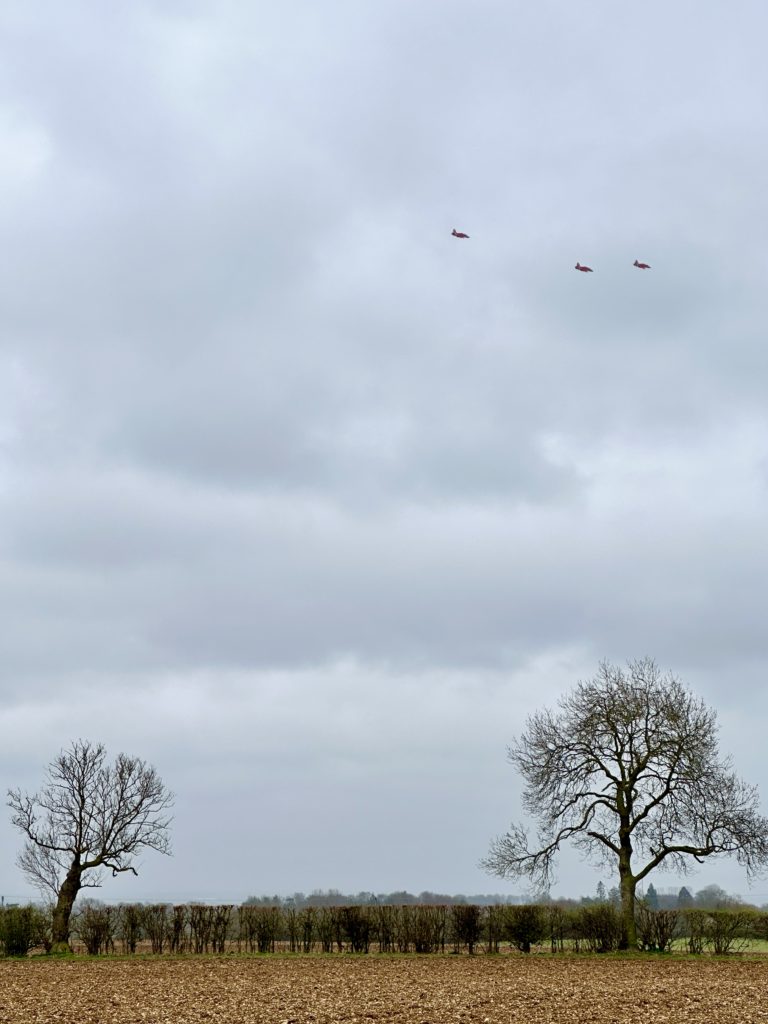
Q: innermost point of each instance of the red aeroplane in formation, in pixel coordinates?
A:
(579, 266)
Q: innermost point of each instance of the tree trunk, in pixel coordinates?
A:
(63, 911)
(629, 931)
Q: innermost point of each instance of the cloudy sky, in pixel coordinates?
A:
(310, 504)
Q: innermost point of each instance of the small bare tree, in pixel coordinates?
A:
(88, 816)
(629, 768)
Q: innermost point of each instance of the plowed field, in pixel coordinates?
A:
(412, 990)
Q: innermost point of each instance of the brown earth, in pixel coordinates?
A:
(407, 989)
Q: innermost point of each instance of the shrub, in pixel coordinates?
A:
(694, 929)
(758, 925)
(246, 919)
(178, 928)
(307, 923)
(726, 930)
(403, 925)
(355, 924)
(155, 924)
(130, 921)
(495, 922)
(258, 927)
(23, 928)
(467, 926)
(598, 925)
(293, 928)
(386, 926)
(201, 926)
(220, 927)
(526, 926)
(428, 925)
(95, 925)
(656, 929)
(559, 926)
(327, 927)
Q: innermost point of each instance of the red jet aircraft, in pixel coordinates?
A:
(459, 234)
(584, 270)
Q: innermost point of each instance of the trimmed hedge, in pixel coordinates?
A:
(411, 928)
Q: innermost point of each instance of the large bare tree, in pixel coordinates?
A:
(88, 816)
(628, 769)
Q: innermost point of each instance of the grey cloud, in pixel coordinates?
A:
(286, 580)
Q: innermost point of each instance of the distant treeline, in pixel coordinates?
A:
(382, 927)
(711, 897)
(400, 898)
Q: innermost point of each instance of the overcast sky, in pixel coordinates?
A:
(308, 503)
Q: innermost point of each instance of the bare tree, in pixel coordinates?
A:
(628, 768)
(88, 816)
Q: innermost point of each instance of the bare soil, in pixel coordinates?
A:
(371, 989)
